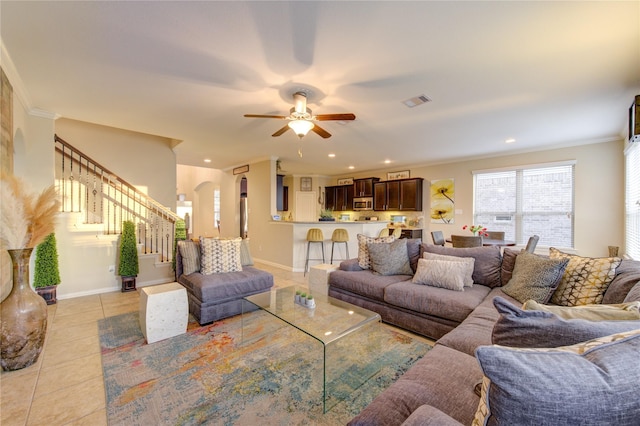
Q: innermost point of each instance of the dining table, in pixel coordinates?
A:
(491, 242)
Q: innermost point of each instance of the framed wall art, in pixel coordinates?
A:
(345, 181)
(305, 184)
(443, 201)
(404, 174)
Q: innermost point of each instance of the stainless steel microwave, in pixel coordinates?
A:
(363, 203)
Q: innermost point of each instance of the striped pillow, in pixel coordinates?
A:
(190, 253)
(220, 256)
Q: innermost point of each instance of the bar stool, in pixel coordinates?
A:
(340, 235)
(314, 235)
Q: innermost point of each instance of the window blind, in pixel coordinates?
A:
(632, 200)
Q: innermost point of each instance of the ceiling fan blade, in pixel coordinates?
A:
(321, 132)
(281, 131)
(345, 117)
(282, 117)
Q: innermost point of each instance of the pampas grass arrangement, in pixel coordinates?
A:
(25, 219)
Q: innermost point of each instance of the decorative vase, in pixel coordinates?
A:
(24, 317)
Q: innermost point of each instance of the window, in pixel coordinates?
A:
(526, 201)
(632, 201)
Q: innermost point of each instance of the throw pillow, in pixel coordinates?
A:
(245, 253)
(618, 312)
(219, 256)
(467, 261)
(540, 329)
(591, 383)
(190, 253)
(585, 279)
(486, 269)
(534, 277)
(634, 294)
(441, 273)
(508, 262)
(390, 258)
(363, 252)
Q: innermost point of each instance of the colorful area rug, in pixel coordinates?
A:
(271, 375)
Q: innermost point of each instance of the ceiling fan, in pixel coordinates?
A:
(301, 119)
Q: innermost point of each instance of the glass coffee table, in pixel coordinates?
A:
(331, 323)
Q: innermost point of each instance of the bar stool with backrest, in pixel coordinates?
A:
(314, 235)
(532, 243)
(437, 237)
(340, 235)
(495, 235)
(466, 241)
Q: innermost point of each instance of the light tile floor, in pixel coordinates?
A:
(65, 386)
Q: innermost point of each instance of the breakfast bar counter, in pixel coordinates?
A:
(297, 232)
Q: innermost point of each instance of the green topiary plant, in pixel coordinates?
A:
(47, 272)
(128, 268)
(180, 234)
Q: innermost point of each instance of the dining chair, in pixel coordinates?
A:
(466, 241)
(532, 243)
(437, 237)
(384, 232)
(495, 235)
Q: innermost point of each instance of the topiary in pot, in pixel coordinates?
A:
(128, 267)
(47, 273)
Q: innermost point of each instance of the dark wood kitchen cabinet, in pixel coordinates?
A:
(400, 195)
(364, 187)
(338, 198)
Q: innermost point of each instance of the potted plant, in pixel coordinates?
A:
(128, 266)
(47, 273)
(326, 215)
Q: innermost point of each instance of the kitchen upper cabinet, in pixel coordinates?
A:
(401, 195)
(364, 187)
(338, 198)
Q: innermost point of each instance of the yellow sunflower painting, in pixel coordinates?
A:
(442, 200)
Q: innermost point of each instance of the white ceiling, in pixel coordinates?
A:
(545, 73)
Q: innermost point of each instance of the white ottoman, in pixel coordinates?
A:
(319, 274)
(164, 311)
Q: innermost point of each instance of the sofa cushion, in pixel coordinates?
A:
(627, 276)
(390, 259)
(413, 250)
(438, 302)
(427, 415)
(585, 279)
(508, 262)
(441, 273)
(590, 383)
(539, 329)
(617, 312)
(190, 254)
(217, 288)
(220, 255)
(364, 282)
(467, 261)
(443, 378)
(634, 294)
(488, 260)
(363, 251)
(350, 265)
(534, 277)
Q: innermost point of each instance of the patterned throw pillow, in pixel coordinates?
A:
(190, 252)
(390, 259)
(469, 262)
(585, 279)
(219, 256)
(534, 277)
(593, 382)
(441, 273)
(363, 251)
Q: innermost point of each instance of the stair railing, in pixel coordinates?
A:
(85, 186)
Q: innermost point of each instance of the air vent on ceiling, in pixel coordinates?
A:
(418, 100)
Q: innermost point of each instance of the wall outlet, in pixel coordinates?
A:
(112, 268)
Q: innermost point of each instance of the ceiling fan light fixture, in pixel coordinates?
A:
(301, 127)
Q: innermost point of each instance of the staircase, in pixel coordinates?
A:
(94, 203)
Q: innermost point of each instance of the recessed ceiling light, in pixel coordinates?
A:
(352, 167)
(387, 161)
(510, 140)
(207, 160)
(332, 155)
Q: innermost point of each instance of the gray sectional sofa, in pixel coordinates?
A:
(444, 386)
